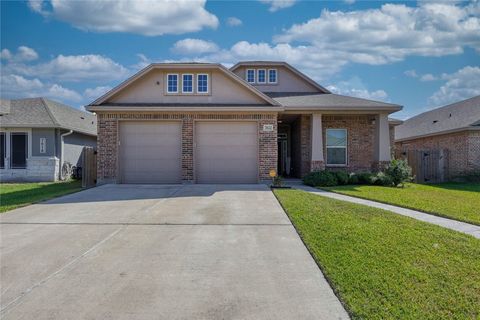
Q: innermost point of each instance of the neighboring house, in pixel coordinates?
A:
(204, 123)
(455, 127)
(38, 135)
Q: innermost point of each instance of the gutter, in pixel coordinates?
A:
(183, 109)
(63, 135)
(440, 133)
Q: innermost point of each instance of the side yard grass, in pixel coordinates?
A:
(459, 201)
(14, 195)
(387, 266)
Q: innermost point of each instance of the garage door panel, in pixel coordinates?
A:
(150, 152)
(226, 152)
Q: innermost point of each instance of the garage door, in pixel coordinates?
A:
(226, 152)
(150, 152)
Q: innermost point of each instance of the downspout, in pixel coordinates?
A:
(61, 151)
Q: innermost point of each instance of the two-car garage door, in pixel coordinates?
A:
(224, 152)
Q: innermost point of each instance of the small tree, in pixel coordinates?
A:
(399, 171)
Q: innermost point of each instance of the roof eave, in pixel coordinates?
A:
(439, 133)
(389, 109)
(100, 108)
(43, 126)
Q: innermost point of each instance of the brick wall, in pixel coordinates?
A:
(108, 131)
(464, 149)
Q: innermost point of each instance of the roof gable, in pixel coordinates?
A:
(148, 87)
(458, 116)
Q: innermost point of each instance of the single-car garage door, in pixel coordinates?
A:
(150, 152)
(226, 152)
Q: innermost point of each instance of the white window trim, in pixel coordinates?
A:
(258, 77)
(276, 76)
(254, 75)
(337, 147)
(208, 83)
(178, 80)
(193, 83)
(8, 132)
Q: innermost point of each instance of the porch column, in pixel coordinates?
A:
(317, 162)
(382, 141)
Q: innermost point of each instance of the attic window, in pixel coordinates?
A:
(187, 83)
(272, 76)
(202, 83)
(250, 76)
(262, 76)
(172, 83)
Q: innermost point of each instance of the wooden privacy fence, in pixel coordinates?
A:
(89, 167)
(429, 166)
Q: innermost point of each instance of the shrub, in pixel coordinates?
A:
(353, 179)
(399, 172)
(342, 177)
(382, 179)
(364, 177)
(320, 179)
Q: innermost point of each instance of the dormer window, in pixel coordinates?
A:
(202, 83)
(262, 76)
(172, 83)
(187, 83)
(272, 76)
(250, 75)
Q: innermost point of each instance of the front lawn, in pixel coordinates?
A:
(387, 266)
(459, 201)
(14, 195)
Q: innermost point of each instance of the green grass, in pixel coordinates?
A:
(387, 266)
(459, 201)
(14, 195)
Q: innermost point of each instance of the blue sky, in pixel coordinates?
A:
(417, 54)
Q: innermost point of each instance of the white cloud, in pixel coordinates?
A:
(276, 5)
(72, 68)
(390, 33)
(94, 93)
(460, 85)
(411, 73)
(428, 77)
(234, 22)
(23, 54)
(150, 18)
(194, 46)
(16, 86)
(356, 88)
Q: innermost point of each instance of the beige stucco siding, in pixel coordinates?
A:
(222, 89)
(287, 80)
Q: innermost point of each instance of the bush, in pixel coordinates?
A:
(342, 177)
(353, 178)
(382, 179)
(364, 177)
(399, 172)
(320, 179)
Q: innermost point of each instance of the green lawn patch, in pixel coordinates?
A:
(459, 201)
(14, 195)
(387, 266)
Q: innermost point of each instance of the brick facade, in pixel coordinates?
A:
(360, 141)
(108, 132)
(463, 147)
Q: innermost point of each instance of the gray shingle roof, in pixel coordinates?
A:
(44, 113)
(327, 100)
(454, 117)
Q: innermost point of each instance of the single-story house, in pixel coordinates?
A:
(38, 136)
(455, 127)
(204, 123)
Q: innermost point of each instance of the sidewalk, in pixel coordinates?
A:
(459, 226)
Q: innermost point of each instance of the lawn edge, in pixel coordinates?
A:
(43, 200)
(400, 206)
(330, 284)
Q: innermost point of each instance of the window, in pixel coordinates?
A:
(18, 150)
(337, 147)
(172, 83)
(2, 150)
(272, 76)
(250, 76)
(262, 76)
(187, 83)
(202, 83)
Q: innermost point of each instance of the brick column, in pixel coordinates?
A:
(107, 150)
(268, 148)
(187, 149)
(317, 161)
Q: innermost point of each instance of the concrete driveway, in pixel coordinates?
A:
(159, 252)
